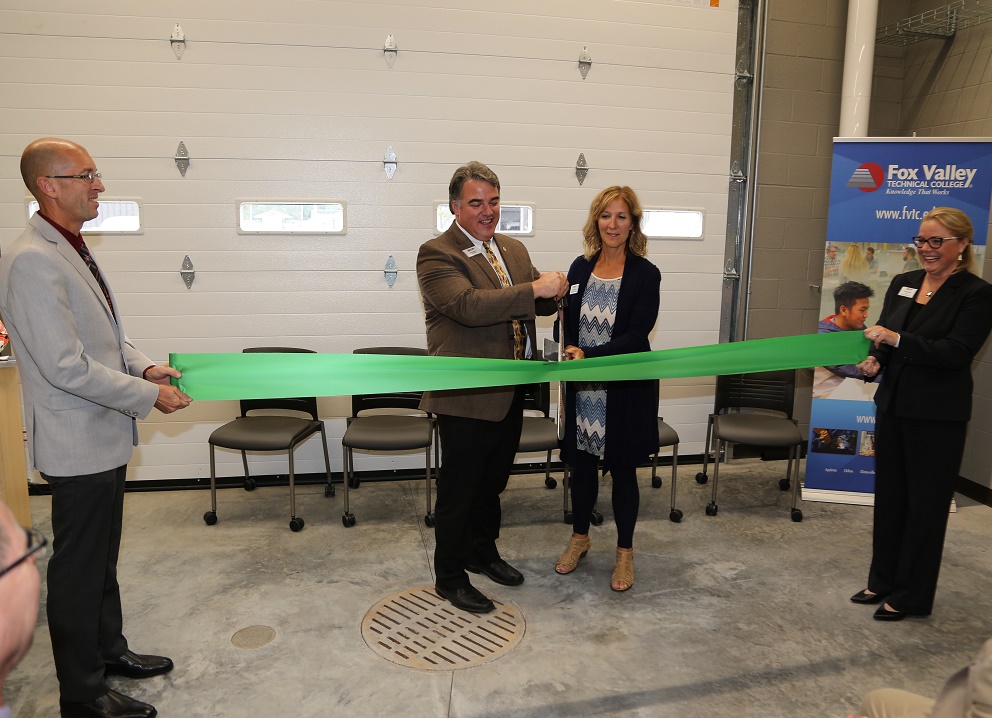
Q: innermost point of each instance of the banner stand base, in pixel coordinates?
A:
(848, 497)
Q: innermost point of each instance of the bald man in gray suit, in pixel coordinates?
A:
(84, 386)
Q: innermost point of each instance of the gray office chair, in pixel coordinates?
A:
(539, 433)
(766, 391)
(387, 432)
(667, 436)
(269, 433)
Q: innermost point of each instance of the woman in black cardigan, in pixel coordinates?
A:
(612, 310)
(933, 323)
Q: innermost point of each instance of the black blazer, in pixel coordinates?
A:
(929, 375)
(631, 406)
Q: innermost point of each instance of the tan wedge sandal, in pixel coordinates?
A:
(578, 546)
(623, 570)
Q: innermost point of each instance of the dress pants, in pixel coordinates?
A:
(84, 600)
(916, 467)
(476, 458)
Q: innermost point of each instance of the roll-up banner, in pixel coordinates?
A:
(880, 191)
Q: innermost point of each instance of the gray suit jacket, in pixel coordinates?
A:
(80, 375)
(468, 314)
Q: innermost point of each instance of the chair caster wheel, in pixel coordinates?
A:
(655, 482)
(675, 516)
(784, 484)
(429, 521)
(797, 515)
(329, 490)
(348, 520)
(551, 483)
(596, 519)
(354, 482)
(210, 518)
(568, 518)
(702, 478)
(250, 484)
(297, 523)
(711, 509)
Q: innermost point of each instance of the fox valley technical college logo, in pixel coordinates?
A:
(868, 177)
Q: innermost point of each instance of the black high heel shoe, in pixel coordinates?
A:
(884, 614)
(866, 597)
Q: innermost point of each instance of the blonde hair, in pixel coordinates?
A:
(854, 265)
(592, 243)
(960, 225)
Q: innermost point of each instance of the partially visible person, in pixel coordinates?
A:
(966, 694)
(481, 295)
(20, 586)
(872, 261)
(852, 300)
(854, 267)
(909, 260)
(831, 264)
(613, 309)
(84, 386)
(933, 322)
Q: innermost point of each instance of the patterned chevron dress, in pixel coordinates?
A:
(599, 309)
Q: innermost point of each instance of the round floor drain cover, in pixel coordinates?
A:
(253, 637)
(418, 629)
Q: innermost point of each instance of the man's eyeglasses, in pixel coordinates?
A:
(934, 242)
(86, 177)
(36, 546)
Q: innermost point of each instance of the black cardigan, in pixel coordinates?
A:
(929, 375)
(631, 406)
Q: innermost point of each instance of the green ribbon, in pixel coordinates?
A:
(270, 376)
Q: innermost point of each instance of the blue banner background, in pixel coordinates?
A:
(880, 191)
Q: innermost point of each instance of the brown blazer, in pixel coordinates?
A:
(468, 314)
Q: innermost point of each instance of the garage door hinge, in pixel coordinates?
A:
(178, 41)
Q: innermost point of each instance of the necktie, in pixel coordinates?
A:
(84, 253)
(518, 329)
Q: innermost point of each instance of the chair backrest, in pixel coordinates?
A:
(537, 397)
(409, 400)
(770, 390)
(303, 404)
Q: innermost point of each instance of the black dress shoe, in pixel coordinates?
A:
(468, 599)
(884, 614)
(135, 665)
(499, 571)
(110, 705)
(865, 597)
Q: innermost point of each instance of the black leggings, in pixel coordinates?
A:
(584, 484)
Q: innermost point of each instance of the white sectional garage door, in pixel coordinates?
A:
(296, 100)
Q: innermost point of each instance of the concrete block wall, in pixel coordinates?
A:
(800, 110)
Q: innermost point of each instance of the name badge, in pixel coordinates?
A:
(472, 251)
(907, 292)
(574, 289)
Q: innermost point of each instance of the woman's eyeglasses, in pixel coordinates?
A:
(934, 242)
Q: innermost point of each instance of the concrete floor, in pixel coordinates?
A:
(742, 614)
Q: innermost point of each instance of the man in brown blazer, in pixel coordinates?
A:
(481, 295)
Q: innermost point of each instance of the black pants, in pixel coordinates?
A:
(84, 600)
(584, 487)
(916, 466)
(476, 458)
